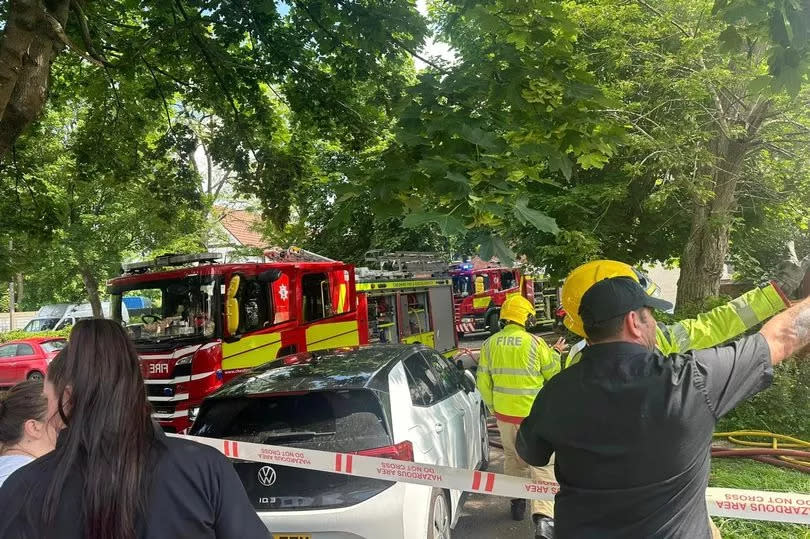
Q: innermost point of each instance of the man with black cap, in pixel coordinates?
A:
(631, 429)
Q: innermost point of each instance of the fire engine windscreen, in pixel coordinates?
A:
(463, 285)
(177, 308)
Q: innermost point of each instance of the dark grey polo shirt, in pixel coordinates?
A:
(632, 431)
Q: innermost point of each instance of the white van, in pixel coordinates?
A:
(85, 312)
(48, 317)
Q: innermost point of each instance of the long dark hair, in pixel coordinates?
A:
(109, 432)
(21, 403)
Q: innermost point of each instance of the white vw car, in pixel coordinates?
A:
(403, 402)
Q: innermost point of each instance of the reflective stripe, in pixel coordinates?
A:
(681, 336)
(550, 367)
(745, 312)
(516, 372)
(516, 391)
(534, 358)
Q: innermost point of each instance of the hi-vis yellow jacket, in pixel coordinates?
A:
(513, 366)
(713, 328)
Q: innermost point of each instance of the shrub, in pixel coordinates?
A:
(783, 408)
(19, 334)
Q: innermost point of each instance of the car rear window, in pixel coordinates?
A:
(53, 346)
(338, 421)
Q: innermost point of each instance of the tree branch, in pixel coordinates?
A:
(85, 31)
(59, 32)
(159, 88)
(660, 14)
(208, 60)
(410, 51)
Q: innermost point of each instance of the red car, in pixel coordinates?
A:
(27, 359)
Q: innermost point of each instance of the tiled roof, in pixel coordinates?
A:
(243, 225)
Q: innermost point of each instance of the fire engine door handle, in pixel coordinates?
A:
(438, 427)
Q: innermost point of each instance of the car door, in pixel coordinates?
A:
(8, 358)
(415, 394)
(460, 424)
(24, 361)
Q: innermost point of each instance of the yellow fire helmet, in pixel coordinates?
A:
(518, 309)
(588, 274)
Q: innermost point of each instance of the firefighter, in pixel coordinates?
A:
(513, 367)
(708, 329)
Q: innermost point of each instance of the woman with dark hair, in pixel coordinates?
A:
(114, 474)
(25, 433)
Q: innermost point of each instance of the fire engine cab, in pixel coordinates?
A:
(480, 292)
(202, 322)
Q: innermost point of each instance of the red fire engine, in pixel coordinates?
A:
(202, 322)
(480, 292)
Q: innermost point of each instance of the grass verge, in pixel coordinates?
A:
(749, 474)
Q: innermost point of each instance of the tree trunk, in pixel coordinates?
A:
(20, 288)
(705, 252)
(91, 286)
(27, 49)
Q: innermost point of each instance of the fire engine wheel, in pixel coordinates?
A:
(36, 376)
(492, 322)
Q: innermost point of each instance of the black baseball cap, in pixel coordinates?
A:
(614, 297)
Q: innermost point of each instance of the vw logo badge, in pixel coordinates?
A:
(267, 476)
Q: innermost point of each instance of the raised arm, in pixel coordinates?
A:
(788, 332)
(722, 323)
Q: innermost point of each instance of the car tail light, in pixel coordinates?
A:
(400, 451)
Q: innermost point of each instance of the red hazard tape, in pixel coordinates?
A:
(721, 502)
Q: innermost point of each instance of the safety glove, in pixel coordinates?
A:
(790, 275)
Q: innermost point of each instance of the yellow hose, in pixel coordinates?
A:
(789, 442)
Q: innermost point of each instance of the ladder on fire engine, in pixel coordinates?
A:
(294, 254)
(410, 262)
(170, 260)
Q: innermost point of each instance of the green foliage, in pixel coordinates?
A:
(785, 24)
(479, 141)
(782, 408)
(14, 335)
(773, 213)
(752, 475)
(109, 171)
(111, 180)
(679, 88)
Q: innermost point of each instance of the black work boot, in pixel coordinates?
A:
(543, 526)
(518, 509)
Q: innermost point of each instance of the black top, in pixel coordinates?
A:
(195, 494)
(632, 431)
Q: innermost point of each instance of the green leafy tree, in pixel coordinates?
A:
(111, 179)
(784, 25)
(222, 57)
(700, 117)
(511, 119)
(255, 72)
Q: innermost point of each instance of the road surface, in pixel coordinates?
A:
(488, 517)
